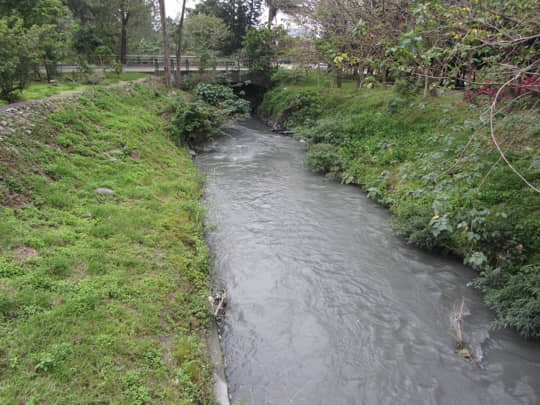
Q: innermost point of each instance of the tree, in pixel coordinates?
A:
(33, 12)
(260, 52)
(50, 47)
(238, 15)
(18, 60)
(205, 35)
(86, 39)
(39, 22)
(124, 19)
(108, 22)
(131, 10)
(205, 32)
(179, 39)
(166, 59)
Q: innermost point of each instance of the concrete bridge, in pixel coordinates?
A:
(155, 64)
(232, 69)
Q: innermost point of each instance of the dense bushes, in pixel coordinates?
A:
(193, 122)
(323, 158)
(213, 94)
(197, 122)
(432, 163)
(223, 98)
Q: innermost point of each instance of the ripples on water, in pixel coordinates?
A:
(328, 306)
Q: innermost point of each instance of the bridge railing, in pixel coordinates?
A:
(187, 62)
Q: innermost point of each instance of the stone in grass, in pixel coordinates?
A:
(104, 191)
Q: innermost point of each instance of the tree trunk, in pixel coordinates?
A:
(272, 11)
(426, 82)
(166, 58)
(123, 41)
(179, 37)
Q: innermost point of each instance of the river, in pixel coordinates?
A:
(328, 306)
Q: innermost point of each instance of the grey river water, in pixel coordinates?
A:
(328, 306)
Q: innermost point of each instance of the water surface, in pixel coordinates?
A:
(328, 306)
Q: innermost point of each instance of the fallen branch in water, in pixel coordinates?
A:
(219, 302)
(457, 323)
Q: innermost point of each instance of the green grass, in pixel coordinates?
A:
(37, 89)
(111, 304)
(431, 162)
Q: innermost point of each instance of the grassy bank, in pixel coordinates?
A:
(103, 299)
(433, 164)
(76, 82)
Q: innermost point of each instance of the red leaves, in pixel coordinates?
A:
(527, 86)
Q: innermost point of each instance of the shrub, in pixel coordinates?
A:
(213, 94)
(412, 221)
(328, 130)
(406, 88)
(235, 107)
(323, 158)
(283, 76)
(94, 78)
(192, 80)
(517, 301)
(193, 123)
(117, 68)
(305, 106)
(222, 97)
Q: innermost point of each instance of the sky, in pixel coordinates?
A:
(173, 7)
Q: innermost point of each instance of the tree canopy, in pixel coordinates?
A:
(237, 15)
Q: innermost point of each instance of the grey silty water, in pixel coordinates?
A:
(328, 306)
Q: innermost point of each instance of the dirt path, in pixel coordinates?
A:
(21, 104)
(21, 116)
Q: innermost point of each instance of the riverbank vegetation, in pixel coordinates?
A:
(67, 83)
(431, 106)
(103, 262)
(434, 164)
(198, 121)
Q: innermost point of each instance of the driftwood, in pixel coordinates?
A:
(457, 323)
(218, 302)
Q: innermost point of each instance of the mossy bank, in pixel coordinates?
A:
(103, 295)
(432, 162)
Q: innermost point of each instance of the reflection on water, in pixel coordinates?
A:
(328, 306)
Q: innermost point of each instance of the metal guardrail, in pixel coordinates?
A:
(146, 63)
(187, 62)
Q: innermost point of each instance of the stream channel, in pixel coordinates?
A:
(326, 305)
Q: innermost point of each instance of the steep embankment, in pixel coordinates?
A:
(102, 292)
(433, 164)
